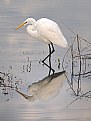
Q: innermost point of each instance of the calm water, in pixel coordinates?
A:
(20, 57)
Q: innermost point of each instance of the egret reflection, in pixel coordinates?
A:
(45, 89)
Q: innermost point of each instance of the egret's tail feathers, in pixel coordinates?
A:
(64, 43)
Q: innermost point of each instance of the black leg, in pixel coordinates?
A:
(52, 48)
(50, 53)
(50, 60)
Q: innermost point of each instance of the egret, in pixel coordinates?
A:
(46, 30)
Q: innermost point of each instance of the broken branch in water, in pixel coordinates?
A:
(77, 61)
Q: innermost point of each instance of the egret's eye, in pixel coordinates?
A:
(25, 22)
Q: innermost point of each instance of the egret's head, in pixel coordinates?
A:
(32, 89)
(30, 21)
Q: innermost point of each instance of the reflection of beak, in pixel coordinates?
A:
(24, 95)
(22, 24)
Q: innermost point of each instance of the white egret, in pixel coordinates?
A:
(47, 31)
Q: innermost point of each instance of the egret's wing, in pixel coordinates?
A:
(50, 31)
(46, 26)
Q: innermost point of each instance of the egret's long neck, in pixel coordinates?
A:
(32, 31)
(32, 21)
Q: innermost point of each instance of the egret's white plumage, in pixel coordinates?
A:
(45, 30)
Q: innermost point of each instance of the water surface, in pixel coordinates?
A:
(20, 57)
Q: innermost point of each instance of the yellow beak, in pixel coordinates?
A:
(22, 24)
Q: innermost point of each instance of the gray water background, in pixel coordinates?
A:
(18, 49)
